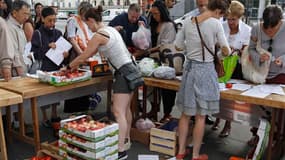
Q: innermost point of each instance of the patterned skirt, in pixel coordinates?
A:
(199, 91)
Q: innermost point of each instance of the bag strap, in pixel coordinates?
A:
(40, 36)
(203, 42)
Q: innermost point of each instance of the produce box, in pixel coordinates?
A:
(111, 140)
(71, 156)
(46, 155)
(61, 78)
(80, 152)
(163, 139)
(112, 156)
(84, 128)
(112, 129)
(110, 150)
(80, 142)
(240, 112)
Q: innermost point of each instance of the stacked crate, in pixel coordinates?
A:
(86, 139)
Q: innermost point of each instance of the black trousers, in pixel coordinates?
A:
(168, 99)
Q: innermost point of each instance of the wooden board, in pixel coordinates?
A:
(9, 98)
(29, 87)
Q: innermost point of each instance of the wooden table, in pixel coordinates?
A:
(6, 98)
(37, 94)
(273, 101)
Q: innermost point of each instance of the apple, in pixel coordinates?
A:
(229, 85)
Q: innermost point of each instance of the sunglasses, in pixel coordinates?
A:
(270, 45)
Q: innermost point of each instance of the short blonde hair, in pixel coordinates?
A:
(236, 9)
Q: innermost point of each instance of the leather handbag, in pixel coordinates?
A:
(218, 63)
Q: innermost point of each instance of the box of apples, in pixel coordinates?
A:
(80, 142)
(84, 127)
(80, 152)
(61, 78)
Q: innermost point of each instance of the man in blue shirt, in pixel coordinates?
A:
(127, 23)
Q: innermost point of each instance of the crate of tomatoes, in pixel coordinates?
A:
(61, 78)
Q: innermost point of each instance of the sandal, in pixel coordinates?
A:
(181, 156)
(201, 157)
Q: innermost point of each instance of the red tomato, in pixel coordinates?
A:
(229, 85)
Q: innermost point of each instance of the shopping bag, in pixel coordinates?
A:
(142, 38)
(229, 63)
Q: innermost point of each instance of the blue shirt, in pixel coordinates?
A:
(128, 28)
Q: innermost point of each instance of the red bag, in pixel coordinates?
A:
(279, 79)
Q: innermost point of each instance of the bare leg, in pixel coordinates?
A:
(198, 134)
(121, 104)
(183, 132)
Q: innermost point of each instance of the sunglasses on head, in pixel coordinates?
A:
(270, 45)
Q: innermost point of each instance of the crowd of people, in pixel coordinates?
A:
(214, 23)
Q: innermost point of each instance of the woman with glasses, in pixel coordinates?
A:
(272, 34)
(238, 36)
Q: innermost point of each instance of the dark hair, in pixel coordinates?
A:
(38, 4)
(95, 13)
(47, 11)
(18, 5)
(223, 5)
(271, 16)
(5, 13)
(164, 14)
(84, 7)
(134, 7)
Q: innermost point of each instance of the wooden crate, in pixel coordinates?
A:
(163, 141)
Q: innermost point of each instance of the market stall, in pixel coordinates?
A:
(273, 101)
(35, 94)
(6, 98)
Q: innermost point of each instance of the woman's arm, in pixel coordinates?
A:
(29, 30)
(91, 49)
(71, 29)
(222, 41)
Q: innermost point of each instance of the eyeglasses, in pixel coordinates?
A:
(270, 45)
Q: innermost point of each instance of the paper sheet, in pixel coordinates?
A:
(237, 81)
(56, 55)
(255, 92)
(148, 157)
(241, 87)
(222, 87)
(264, 90)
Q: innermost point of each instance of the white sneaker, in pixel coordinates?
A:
(127, 144)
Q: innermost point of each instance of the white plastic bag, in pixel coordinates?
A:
(144, 124)
(142, 38)
(164, 72)
(147, 66)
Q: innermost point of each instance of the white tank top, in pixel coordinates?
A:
(115, 50)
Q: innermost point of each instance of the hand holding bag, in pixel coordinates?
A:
(251, 72)
(218, 64)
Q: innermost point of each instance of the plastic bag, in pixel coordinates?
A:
(142, 38)
(164, 72)
(147, 66)
(144, 124)
(229, 63)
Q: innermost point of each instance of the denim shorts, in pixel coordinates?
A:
(120, 85)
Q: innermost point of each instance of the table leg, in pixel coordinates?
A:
(144, 101)
(9, 124)
(21, 119)
(34, 108)
(109, 98)
(155, 101)
(134, 105)
(2, 140)
(271, 134)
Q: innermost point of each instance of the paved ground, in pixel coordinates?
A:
(217, 148)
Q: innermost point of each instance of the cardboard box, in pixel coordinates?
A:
(140, 136)
(240, 112)
(86, 154)
(79, 142)
(90, 135)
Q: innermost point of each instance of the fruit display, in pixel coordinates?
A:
(82, 137)
(60, 78)
(85, 128)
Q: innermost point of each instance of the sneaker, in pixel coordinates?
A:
(47, 124)
(127, 144)
(123, 155)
